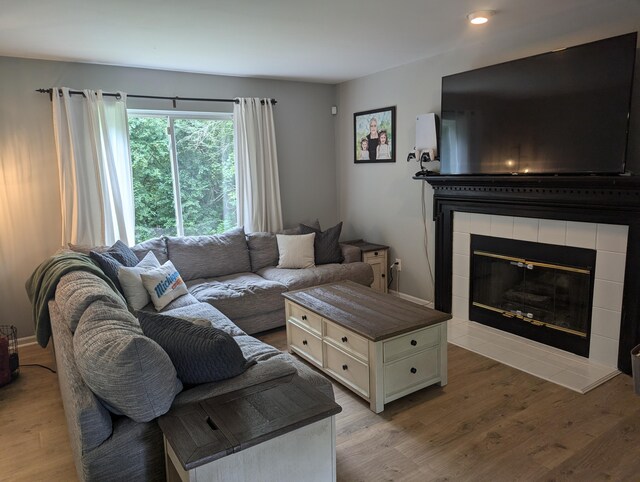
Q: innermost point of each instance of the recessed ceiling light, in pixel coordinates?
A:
(480, 17)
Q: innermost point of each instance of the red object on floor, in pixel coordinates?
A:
(5, 369)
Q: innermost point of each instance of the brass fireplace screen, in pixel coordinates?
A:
(542, 294)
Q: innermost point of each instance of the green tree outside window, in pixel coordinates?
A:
(205, 181)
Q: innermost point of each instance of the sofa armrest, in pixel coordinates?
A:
(351, 253)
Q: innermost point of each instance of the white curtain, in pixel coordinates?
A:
(96, 188)
(257, 181)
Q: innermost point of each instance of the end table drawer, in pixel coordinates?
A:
(408, 372)
(347, 369)
(307, 343)
(411, 343)
(369, 255)
(306, 317)
(347, 340)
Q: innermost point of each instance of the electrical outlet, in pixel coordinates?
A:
(398, 264)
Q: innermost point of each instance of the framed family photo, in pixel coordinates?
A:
(374, 135)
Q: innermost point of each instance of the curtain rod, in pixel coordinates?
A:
(160, 97)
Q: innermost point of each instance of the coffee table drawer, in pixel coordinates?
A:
(305, 318)
(411, 343)
(306, 343)
(347, 340)
(347, 369)
(408, 372)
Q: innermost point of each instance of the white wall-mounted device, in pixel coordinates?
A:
(426, 147)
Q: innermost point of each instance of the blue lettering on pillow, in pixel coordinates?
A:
(162, 287)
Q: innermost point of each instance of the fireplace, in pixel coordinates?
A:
(599, 201)
(540, 291)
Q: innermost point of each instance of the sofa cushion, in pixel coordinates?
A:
(77, 290)
(325, 245)
(209, 256)
(263, 250)
(131, 282)
(157, 245)
(206, 315)
(164, 284)
(256, 374)
(295, 251)
(200, 354)
(130, 372)
(295, 279)
(88, 420)
(254, 349)
(240, 294)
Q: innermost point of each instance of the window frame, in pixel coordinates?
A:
(172, 115)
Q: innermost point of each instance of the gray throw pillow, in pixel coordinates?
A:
(127, 370)
(200, 354)
(326, 246)
(263, 250)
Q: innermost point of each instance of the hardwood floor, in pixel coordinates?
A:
(34, 445)
(491, 422)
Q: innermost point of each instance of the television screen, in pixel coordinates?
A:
(562, 112)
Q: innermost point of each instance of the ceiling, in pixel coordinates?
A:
(311, 40)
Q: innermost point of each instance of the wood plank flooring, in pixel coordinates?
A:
(491, 422)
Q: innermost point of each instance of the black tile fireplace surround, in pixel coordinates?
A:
(589, 199)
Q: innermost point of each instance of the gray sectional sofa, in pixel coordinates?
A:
(237, 274)
(232, 288)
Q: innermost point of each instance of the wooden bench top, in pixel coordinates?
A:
(371, 314)
(204, 431)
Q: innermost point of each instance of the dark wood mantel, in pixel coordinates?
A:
(592, 199)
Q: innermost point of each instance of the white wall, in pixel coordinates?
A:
(30, 207)
(381, 202)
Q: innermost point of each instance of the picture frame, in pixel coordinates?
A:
(379, 125)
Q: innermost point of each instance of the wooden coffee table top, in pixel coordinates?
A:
(371, 314)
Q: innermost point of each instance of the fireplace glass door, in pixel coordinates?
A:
(542, 294)
(540, 291)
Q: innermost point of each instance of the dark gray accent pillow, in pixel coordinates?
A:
(123, 254)
(200, 354)
(110, 260)
(109, 265)
(326, 246)
(296, 230)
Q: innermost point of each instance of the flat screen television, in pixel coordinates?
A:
(562, 112)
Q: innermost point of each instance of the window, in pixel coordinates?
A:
(183, 173)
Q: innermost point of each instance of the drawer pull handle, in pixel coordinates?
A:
(304, 317)
(375, 253)
(413, 370)
(414, 342)
(344, 339)
(304, 342)
(382, 275)
(344, 367)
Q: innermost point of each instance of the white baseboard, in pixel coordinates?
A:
(26, 341)
(413, 299)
